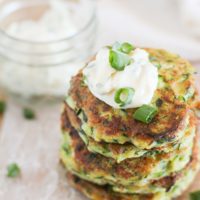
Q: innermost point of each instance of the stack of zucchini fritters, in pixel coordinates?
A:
(110, 156)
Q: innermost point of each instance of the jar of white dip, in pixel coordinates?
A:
(43, 43)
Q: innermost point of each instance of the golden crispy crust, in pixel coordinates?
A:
(90, 162)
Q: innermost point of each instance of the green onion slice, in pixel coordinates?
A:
(13, 170)
(124, 96)
(195, 195)
(145, 113)
(2, 107)
(119, 60)
(126, 48)
(28, 113)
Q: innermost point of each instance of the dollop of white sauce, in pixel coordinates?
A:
(103, 81)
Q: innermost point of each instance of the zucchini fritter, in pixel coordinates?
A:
(174, 96)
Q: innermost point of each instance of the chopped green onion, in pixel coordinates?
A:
(28, 113)
(145, 113)
(13, 170)
(126, 48)
(195, 195)
(119, 60)
(2, 107)
(124, 96)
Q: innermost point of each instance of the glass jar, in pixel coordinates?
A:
(29, 68)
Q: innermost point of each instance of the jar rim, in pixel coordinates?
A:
(68, 38)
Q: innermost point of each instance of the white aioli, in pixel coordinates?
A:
(103, 80)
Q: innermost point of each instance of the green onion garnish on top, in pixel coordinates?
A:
(145, 113)
(126, 48)
(124, 96)
(13, 170)
(195, 195)
(119, 57)
(119, 60)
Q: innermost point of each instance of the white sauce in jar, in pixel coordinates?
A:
(28, 81)
(141, 75)
(55, 24)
